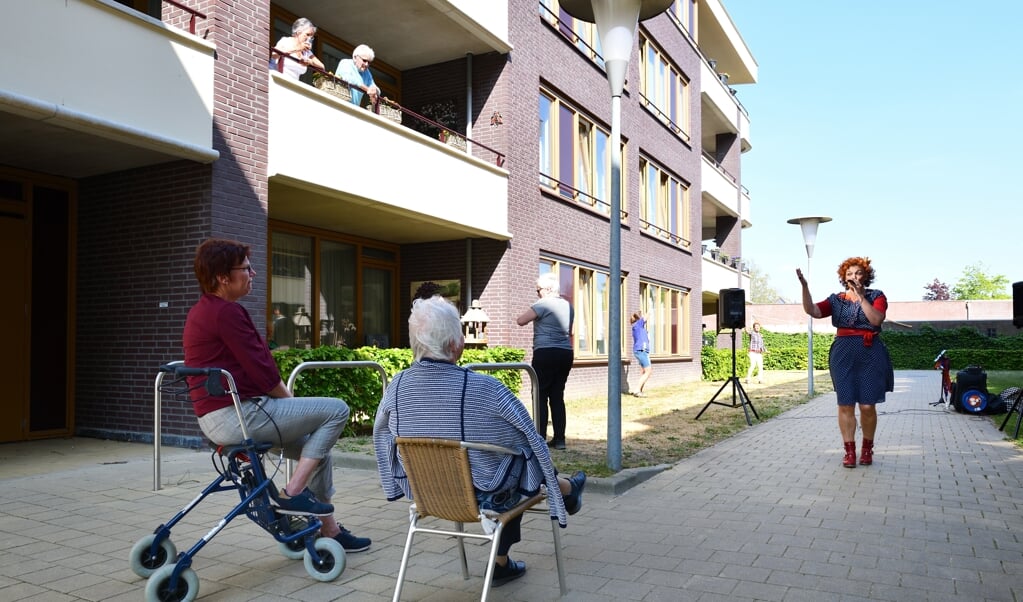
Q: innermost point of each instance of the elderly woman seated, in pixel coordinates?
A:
(437, 398)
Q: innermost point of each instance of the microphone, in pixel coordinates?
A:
(940, 355)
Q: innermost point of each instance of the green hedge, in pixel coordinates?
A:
(360, 387)
(910, 350)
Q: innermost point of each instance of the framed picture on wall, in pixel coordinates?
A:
(449, 289)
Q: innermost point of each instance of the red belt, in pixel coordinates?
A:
(868, 335)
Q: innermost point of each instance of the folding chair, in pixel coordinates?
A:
(441, 481)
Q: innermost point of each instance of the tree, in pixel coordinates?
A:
(937, 291)
(760, 287)
(977, 284)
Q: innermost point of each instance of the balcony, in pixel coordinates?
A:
(336, 166)
(721, 193)
(721, 111)
(82, 91)
(413, 33)
(718, 272)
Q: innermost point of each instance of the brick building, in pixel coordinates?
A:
(163, 126)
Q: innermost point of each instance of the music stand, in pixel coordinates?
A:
(943, 363)
(738, 393)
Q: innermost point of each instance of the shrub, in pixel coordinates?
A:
(361, 387)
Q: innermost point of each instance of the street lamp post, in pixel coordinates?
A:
(809, 228)
(616, 22)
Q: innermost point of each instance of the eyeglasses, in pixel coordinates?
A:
(247, 268)
(366, 60)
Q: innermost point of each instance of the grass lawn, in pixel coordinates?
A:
(661, 428)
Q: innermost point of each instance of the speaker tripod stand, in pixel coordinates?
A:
(739, 396)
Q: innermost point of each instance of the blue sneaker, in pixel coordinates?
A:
(302, 503)
(350, 542)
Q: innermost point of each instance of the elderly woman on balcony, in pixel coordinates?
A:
(299, 46)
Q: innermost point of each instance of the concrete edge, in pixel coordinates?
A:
(616, 484)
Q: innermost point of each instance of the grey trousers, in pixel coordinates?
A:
(301, 427)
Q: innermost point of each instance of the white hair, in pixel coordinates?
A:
(435, 329)
(364, 51)
(300, 25)
(549, 281)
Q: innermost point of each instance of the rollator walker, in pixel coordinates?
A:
(240, 468)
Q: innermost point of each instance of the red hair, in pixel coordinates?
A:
(862, 262)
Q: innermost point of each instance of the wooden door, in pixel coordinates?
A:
(14, 346)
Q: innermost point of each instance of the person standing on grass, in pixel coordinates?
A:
(641, 349)
(552, 317)
(756, 353)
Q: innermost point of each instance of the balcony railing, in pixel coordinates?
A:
(193, 14)
(659, 232)
(569, 192)
(376, 107)
(720, 168)
(716, 255)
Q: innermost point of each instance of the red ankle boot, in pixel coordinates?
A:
(850, 455)
(867, 453)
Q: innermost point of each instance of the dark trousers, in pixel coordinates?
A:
(510, 535)
(552, 366)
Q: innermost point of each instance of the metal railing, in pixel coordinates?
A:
(158, 402)
(191, 11)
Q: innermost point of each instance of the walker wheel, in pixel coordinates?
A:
(293, 549)
(330, 561)
(143, 564)
(158, 587)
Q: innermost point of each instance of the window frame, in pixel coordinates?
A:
(666, 308)
(664, 89)
(364, 258)
(671, 206)
(584, 190)
(581, 286)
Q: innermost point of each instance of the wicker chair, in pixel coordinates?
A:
(441, 481)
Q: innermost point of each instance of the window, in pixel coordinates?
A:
(663, 90)
(586, 288)
(581, 34)
(291, 285)
(354, 283)
(667, 312)
(575, 158)
(664, 212)
(683, 13)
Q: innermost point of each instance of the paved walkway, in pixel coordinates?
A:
(767, 515)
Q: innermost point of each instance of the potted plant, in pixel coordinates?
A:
(332, 85)
(444, 113)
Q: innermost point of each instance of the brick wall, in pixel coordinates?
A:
(542, 56)
(124, 275)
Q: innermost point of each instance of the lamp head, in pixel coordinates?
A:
(809, 227)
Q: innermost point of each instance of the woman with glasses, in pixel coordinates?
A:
(219, 333)
(356, 72)
(299, 47)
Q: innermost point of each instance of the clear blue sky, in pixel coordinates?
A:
(900, 119)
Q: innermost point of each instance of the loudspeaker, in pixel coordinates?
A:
(970, 391)
(731, 308)
(1017, 304)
